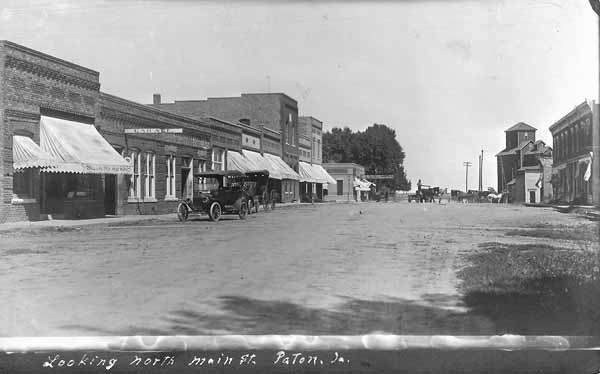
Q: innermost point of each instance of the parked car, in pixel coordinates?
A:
(216, 193)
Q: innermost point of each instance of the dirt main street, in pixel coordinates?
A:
(331, 268)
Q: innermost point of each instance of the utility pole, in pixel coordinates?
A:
(481, 171)
(467, 164)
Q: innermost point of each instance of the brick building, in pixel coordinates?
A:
(314, 178)
(65, 153)
(275, 115)
(572, 169)
(163, 163)
(525, 166)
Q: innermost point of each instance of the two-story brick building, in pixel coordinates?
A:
(313, 177)
(525, 166)
(572, 169)
(65, 150)
(274, 114)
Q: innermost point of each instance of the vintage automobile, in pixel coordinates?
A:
(216, 193)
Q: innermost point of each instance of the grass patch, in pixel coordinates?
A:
(535, 288)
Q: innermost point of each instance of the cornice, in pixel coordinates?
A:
(47, 57)
(124, 116)
(49, 73)
(20, 114)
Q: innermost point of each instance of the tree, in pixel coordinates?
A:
(376, 149)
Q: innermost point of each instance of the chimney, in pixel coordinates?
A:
(245, 121)
(156, 99)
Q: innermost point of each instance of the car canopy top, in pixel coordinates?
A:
(220, 173)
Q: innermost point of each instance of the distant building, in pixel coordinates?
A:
(346, 176)
(572, 137)
(525, 166)
(313, 177)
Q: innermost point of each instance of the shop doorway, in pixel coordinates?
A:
(110, 194)
(52, 194)
(187, 179)
(319, 191)
(532, 197)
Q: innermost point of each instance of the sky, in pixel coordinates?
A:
(448, 75)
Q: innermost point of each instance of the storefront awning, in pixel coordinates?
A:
(237, 161)
(286, 171)
(323, 175)
(307, 173)
(80, 148)
(362, 185)
(258, 162)
(27, 154)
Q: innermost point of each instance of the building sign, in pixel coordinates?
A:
(250, 141)
(153, 131)
(379, 176)
(202, 153)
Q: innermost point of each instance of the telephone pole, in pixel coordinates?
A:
(481, 171)
(467, 164)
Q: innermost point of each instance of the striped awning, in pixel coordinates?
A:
(237, 161)
(286, 171)
(27, 154)
(258, 162)
(323, 175)
(79, 148)
(362, 184)
(306, 172)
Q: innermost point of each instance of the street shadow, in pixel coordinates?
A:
(243, 315)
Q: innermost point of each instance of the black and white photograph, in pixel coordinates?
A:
(300, 186)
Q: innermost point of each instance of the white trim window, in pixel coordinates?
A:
(217, 159)
(149, 176)
(134, 188)
(170, 179)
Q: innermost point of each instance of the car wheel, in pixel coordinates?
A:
(214, 213)
(243, 211)
(182, 212)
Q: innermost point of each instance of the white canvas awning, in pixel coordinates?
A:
(80, 148)
(362, 184)
(27, 154)
(323, 175)
(237, 161)
(307, 173)
(258, 162)
(286, 171)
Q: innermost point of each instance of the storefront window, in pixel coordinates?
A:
(170, 179)
(23, 184)
(217, 159)
(135, 188)
(150, 173)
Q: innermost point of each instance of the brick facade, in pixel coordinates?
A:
(572, 139)
(274, 114)
(33, 84)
